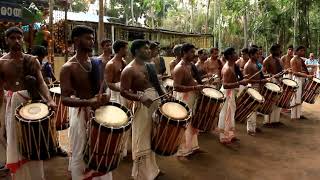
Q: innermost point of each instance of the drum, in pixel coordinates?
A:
(168, 84)
(311, 91)
(289, 87)
(207, 109)
(107, 133)
(247, 102)
(271, 93)
(169, 124)
(36, 134)
(61, 118)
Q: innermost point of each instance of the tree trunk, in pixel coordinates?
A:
(245, 28)
(132, 13)
(207, 16)
(101, 24)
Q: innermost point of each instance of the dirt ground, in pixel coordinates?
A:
(286, 153)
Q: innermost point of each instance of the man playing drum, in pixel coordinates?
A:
(106, 46)
(18, 72)
(177, 53)
(213, 65)
(251, 68)
(272, 66)
(187, 91)
(135, 86)
(203, 56)
(230, 83)
(78, 92)
(243, 59)
(285, 60)
(299, 73)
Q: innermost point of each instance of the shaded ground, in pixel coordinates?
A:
(288, 153)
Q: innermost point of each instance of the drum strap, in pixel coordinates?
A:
(304, 67)
(238, 72)
(162, 65)
(153, 78)
(196, 73)
(96, 75)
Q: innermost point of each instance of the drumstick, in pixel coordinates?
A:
(169, 92)
(255, 74)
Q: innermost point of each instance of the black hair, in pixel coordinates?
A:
(186, 47)
(228, 52)
(290, 47)
(245, 50)
(201, 51)
(213, 49)
(80, 30)
(274, 47)
(39, 51)
(12, 30)
(177, 49)
(254, 46)
(105, 41)
(253, 50)
(154, 45)
(300, 47)
(137, 44)
(118, 44)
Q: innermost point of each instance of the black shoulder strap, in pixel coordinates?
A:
(238, 72)
(195, 73)
(162, 65)
(153, 78)
(96, 75)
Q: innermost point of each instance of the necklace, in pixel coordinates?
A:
(90, 66)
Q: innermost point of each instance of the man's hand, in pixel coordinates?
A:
(310, 76)
(99, 100)
(146, 101)
(52, 104)
(244, 82)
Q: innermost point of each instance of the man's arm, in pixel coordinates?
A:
(126, 80)
(295, 69)
(226, 76)
(109, 75)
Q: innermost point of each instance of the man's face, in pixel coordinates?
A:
(107, 47)
(15, 42)
(311, 56)
(290, 52)
(190, 55)
(277, 53)
(124, 51)
(301, 52)
(155, 51)
(144, 53)
(215, 54)
(203, 56)
(255, 56)
(85, 42)
(245, 56)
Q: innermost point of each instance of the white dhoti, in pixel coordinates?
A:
(274, 116)
(20, 168)
(116, 97)
(190, 141)
(77, 135)
(3, 140)
(144, 161)
(226, 124)
(296, 100)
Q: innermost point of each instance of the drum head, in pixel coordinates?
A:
(290, 82)
(56, 90)
(212, 93)
(34, 111)
(168, 82)
(316, 80)
(273, 87)
(174, 110)
(255, 94)
(111, 116)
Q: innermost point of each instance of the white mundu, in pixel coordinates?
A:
(111, 116)
(116, 96)
(297, 99)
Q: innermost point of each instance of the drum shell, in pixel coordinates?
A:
(246, 104)
(270, 97)
(104, 146)
(61, 116)
(168, 133)
(286, 96)
(311, 92)
(207, 113)
(37, 135)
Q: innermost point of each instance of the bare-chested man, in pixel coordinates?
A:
(230, 82)
(243, 59)
(135, 86)
(157, 59)
(213, 65)
(272, 65)
(203, 56)
(298, 75)
(251, 68)
(285, 60)
(79, 93)
(177, 54)
(17, 70)
(187, 91)
(106, 46)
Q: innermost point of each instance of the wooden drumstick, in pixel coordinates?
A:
(255, 74)
(169, 92)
